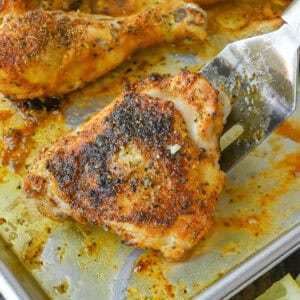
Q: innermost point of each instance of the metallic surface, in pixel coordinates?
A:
(249, 72)
(9, 286)
(254, 267)
(226, 287)
(16, 283)
(291, 15)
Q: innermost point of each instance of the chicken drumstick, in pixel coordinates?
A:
(50, 53)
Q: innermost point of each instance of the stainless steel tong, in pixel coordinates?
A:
(260, 75)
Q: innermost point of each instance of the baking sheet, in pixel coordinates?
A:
(260, 201)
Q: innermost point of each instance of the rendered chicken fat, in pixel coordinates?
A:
(135, 168)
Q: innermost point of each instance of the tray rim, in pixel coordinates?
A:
(254, 266)
(10, 287)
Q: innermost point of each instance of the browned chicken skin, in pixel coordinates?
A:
(50, 53)
(146, 167)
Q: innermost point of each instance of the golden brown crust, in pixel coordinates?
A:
(135, 169)
(57, 31)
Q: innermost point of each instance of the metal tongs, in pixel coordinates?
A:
(260, 75)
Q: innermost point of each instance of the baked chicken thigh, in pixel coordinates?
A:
(146, 167)
(50, 53)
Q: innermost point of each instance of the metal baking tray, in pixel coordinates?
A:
(21, 286)
(257, 220)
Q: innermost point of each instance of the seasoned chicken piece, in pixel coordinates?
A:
(146, 167)
(48, 53)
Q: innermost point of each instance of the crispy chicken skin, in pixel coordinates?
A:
(50, 53)
(146, 167)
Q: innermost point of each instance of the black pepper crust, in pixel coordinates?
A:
(29, 47)
(86, 173)
(137, 118)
